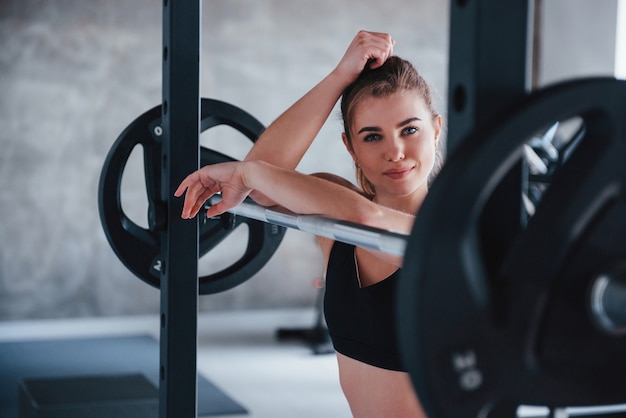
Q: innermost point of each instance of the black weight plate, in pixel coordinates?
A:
(140, 248)
(480, 341)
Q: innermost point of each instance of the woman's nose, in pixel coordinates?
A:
(395, 150)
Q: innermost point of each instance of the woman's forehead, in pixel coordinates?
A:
(391, 109)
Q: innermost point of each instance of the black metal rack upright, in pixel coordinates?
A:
(489, 70)
(180, 156)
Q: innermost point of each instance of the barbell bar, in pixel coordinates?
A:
(388, 242)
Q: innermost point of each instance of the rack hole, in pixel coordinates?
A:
(460, 98)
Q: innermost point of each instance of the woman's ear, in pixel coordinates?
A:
(438, 125)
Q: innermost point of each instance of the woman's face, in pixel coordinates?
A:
(394, 142)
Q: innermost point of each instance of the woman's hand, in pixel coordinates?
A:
(227, 178)
(367, 48)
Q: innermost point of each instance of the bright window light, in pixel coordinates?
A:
(620, 41)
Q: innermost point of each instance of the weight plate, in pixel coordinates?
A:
(483, 334)
(139, 248)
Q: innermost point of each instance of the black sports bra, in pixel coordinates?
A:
(361, 321)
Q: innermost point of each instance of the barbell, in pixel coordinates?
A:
(542, 323)
(376, 239)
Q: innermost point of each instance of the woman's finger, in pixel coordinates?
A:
(377, 46)
(382, 50)
(216, 209)
(191, 178)
(194, 200)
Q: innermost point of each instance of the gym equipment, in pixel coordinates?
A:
(483, 333)
(139, 248)
(95, 360)
(544, 155)
(376, 239)
(179, 243)
(317, 336)
(520, 292)
(72, 397)
(505, 316)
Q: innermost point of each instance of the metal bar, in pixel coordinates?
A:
(388, 242)
(180, 156)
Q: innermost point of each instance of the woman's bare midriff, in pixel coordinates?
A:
(388, 393)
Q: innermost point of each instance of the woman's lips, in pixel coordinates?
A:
(398, 173)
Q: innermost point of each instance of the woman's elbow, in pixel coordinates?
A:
(373, 217)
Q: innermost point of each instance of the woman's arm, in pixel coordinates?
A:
(297, 192)
(285, 141)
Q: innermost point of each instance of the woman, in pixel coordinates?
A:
(391, 132)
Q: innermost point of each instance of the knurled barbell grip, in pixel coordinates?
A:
(388, 242)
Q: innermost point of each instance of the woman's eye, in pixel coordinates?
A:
(410, 130)
(371, 138)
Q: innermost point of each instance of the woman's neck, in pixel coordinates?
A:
(408, 203)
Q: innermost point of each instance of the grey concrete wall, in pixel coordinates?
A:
(75, 73)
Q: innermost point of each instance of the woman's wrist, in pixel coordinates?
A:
(249, 173)
(339, 79)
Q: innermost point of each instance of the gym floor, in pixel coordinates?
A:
(237, 351)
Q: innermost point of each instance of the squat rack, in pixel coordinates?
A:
(180, 124)
(488, 70)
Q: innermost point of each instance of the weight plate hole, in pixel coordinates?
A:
(460, 98)
(226, 252)
(133, 196)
